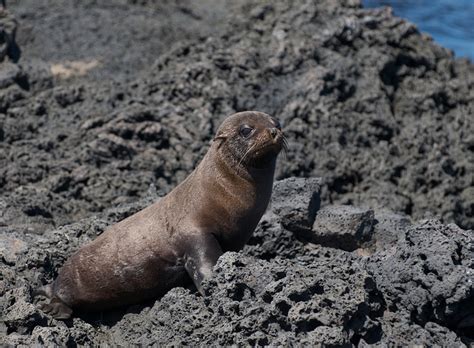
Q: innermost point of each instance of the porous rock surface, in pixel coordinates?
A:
(342, 227)
(367, 102)
(418, 290)
(377, 109)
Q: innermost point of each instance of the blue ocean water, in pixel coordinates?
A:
(449, 22)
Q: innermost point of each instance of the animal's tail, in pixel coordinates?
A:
(46, 290)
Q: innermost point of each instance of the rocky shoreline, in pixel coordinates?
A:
(100, 117)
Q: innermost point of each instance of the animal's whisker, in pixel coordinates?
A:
(246, 153)
(285, 146)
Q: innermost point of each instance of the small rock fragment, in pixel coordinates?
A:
(342, 227)
(10, 248)
(295, 201)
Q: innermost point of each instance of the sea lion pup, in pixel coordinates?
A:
(215, 209)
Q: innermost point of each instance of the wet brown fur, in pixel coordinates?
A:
(215, 209)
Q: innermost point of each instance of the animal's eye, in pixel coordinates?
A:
(245, 131)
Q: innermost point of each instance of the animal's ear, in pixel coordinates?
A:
(219, 136)
(222, 134)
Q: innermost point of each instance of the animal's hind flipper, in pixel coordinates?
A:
(46, 290)
(57, 309)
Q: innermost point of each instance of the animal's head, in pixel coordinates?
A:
(252, 138)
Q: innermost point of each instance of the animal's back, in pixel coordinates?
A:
(128, 263)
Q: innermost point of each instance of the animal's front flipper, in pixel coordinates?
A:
(57, 309)
(204, 250)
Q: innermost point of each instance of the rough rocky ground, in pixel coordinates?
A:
(404, 284)
(98, 102)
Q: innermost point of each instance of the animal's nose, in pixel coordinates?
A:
(273, 132)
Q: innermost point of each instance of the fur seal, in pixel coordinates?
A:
(181, 236)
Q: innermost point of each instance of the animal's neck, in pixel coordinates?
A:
(241, 194)
(249, 182)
